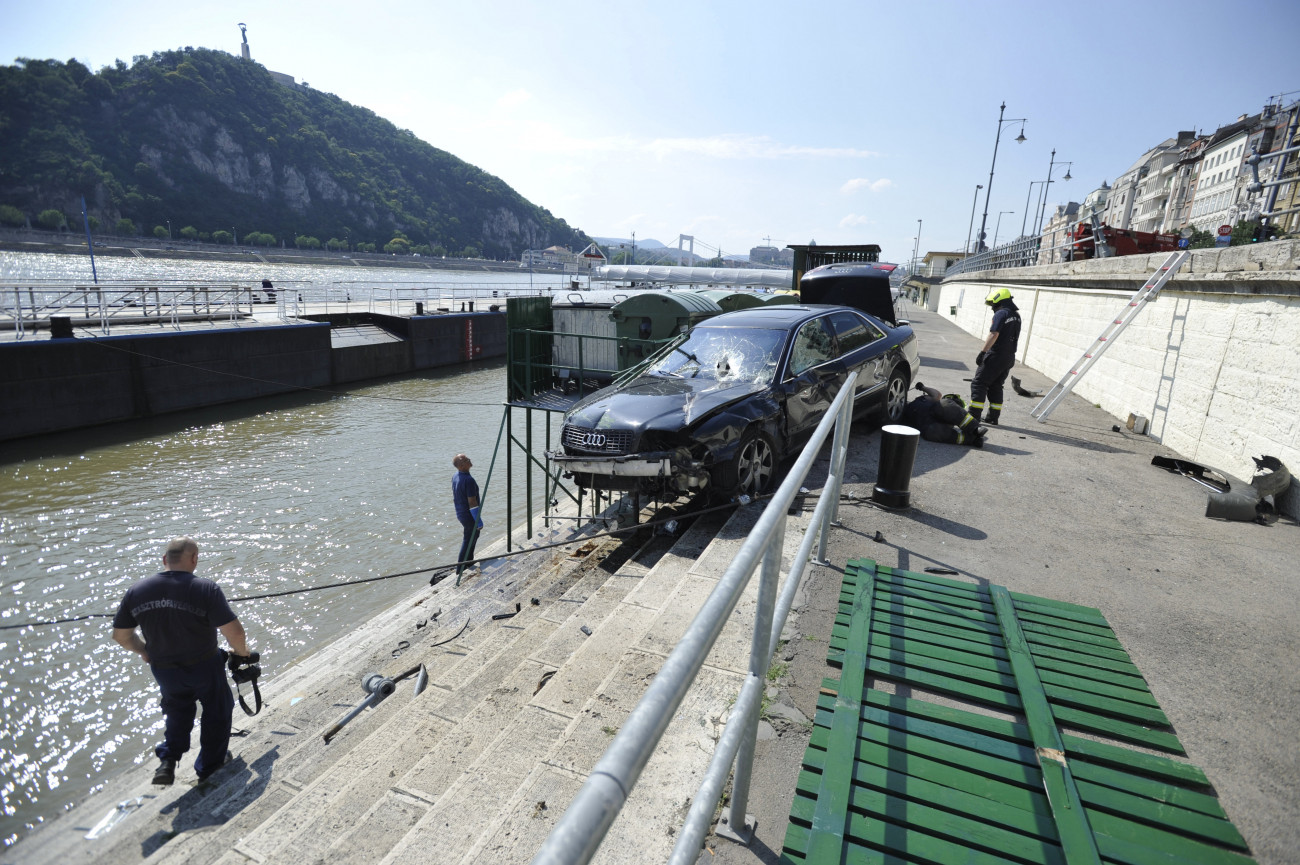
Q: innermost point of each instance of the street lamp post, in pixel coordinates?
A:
(984, 222)
(1047, 183)
(169, 228)
(999, 227)
(916, 248)
(971, 226)
(1032, 184)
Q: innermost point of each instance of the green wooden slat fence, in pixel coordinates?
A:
(891, 778)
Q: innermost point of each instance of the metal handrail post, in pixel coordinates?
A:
(696, 827)
(760, 655)
(831, 487)
(840, 457)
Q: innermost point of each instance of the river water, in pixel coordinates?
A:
(280, 493)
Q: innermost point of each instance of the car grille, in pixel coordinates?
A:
(604, 441)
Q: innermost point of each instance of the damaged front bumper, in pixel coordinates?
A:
(659, 469)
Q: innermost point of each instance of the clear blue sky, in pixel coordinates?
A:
(843, 122)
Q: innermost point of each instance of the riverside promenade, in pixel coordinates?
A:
(480, 766)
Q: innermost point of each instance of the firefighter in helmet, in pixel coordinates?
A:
(996, 358)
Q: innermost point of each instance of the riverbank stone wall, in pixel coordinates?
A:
(1213, 362)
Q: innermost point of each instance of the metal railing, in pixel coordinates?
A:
(1021, 252)
(23, 307)
(579, 833)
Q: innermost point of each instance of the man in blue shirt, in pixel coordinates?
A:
(996, 358)
(464, 493)
(180, 615)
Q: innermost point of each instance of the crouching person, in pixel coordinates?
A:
(943, 418)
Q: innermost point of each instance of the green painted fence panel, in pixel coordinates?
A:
(890, 778)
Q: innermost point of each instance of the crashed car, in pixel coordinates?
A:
(722, 407)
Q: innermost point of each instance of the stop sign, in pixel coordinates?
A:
(1225, 230)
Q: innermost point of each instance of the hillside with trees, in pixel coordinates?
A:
(213, 145)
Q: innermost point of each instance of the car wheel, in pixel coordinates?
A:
(751, 471)
(896, 395)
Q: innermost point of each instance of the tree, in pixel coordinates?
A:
(160, 232)
(222, 236)
(189, 232)
(335, 244)
(1200, 240)
(303, 241)
(12, 216)
(398, 246)
(125, 226)
(1245, 231)
(51, 219)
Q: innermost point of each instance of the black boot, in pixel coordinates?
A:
(165, 776)
(976, 414)
(992, 419)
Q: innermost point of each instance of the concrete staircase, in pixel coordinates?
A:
(479, 766)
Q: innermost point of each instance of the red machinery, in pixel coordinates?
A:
(1118, 241)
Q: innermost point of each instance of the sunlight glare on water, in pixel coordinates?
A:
(280, 493)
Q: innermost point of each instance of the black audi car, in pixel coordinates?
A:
(743, 390)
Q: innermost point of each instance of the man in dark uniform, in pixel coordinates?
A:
(996, 357)
(180, 615)
(943, 418)
(464, 494)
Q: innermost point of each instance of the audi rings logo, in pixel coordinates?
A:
(592, 439)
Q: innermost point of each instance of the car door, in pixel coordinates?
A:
(861, 347)
(813, 377)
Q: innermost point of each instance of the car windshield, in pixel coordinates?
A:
(725, 354)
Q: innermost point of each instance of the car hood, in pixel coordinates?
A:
(658, 402)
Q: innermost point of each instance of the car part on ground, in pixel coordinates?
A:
(1232, 498)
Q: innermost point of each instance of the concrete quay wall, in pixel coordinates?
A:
(1213, 362)
(49, 385)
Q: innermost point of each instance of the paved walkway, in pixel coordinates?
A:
(1070, 509)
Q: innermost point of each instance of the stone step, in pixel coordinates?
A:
(474, 802)
(374, 733)
(481, 754)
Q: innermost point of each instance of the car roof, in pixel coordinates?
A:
(780, 316)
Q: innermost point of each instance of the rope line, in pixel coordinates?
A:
(606, 534)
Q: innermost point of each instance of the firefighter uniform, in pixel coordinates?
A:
(995, 363)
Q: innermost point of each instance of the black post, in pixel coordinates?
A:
(894, 475)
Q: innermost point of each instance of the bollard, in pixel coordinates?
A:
(894, 476)
(419, 308)
(61, 327)
(471, 306)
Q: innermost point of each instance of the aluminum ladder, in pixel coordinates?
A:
(1141, 298)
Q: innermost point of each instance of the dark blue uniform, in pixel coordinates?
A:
(464, 488)
(992, 373)
(179, 614)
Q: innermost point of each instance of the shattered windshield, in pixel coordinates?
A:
(725, 354)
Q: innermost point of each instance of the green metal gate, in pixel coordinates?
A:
(891, 778)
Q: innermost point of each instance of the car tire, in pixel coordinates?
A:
(751, 471)
(891, 411)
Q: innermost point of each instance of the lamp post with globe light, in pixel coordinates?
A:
(1047, 183)
(984, 222)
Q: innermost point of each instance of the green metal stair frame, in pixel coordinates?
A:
(890, 778)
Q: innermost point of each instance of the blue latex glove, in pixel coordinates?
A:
(478, 519)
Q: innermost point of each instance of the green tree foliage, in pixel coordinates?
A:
(125, 226)
(125, 138)
(335, 244)
(302, 241)
(160, 232)
(1245, 231)
(12, 216)
(222, 237)
(259, 238)
(189, 232)
(1200, 240)
(51, 219)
